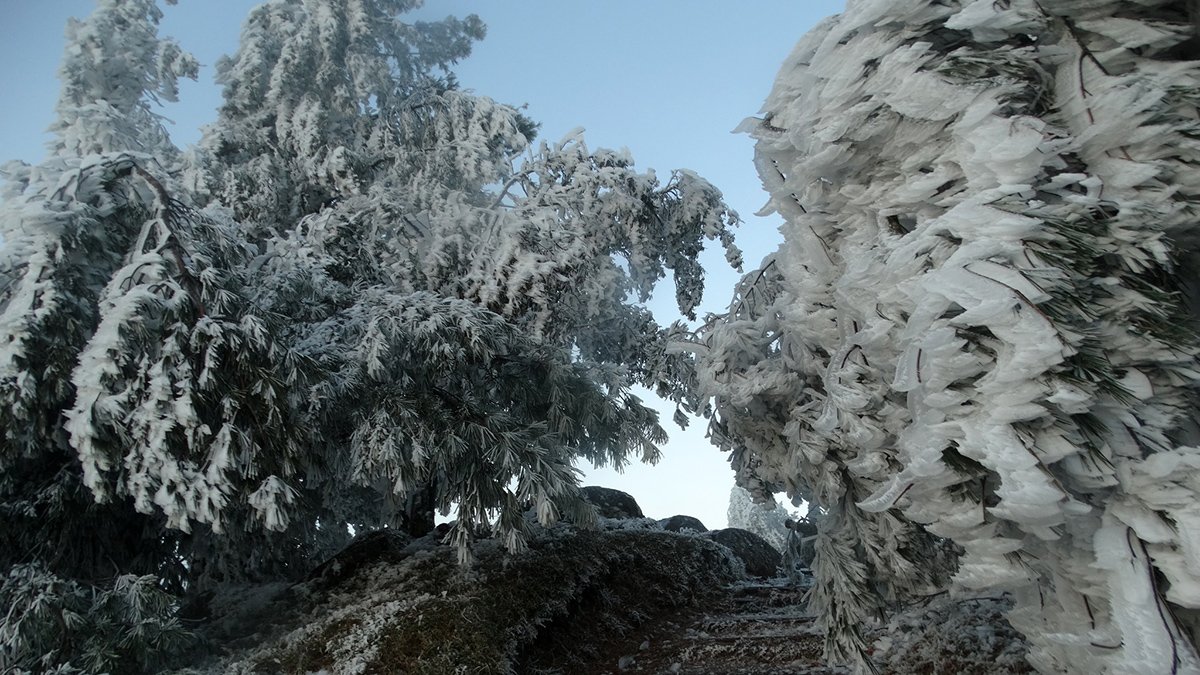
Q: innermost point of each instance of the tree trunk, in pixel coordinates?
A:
(418, 511)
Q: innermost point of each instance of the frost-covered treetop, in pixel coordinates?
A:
(768, 520)
(116, 68)
(326, 100)
(980, 325)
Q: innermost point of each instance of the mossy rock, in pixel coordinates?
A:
(567, 598)
(761, 559)
(384, 545)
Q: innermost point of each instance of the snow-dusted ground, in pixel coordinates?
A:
(627, 598)
(767, 627)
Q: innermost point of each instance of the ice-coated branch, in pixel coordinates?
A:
(1005, 366)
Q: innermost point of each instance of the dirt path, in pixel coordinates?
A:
(758, 628)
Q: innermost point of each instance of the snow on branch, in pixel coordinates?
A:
(977, 329)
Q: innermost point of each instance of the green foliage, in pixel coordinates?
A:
(56, 625)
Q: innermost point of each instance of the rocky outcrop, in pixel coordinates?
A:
(563, 601)
(385, 545)
(682, 523)
(761, 559)
(612, 503)
(593, 601)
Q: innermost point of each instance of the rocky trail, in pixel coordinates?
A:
(628, 599)
(758, 627)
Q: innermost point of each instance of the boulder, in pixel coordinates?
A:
(568, 597)
(761, 559)
(369, 547)
(611, 503)
(681, 523)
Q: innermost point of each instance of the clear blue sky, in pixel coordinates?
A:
(667, 79)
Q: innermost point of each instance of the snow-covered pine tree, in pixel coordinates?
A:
(83, 581)
(66, 626)
(66, 226)
(981, 323)
(345, 308)
(137, 373)
(472, 318)
(766, 519)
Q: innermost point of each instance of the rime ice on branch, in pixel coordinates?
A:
(980, 325)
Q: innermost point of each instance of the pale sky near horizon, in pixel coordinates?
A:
(667, 79)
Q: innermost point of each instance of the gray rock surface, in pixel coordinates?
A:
(368, 547)
(681, 522)
(612, 503)
(761, 559)
(571, 597)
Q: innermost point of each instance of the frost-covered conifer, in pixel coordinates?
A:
(768, 519)
(136, 372)
(63, 626)
(326, 100)
(981, 323)
(100, 276)
(353, 303)
(467, 306)
(68, 226)
(115, 69)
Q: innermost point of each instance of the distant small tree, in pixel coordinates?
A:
(980, 328)
(766, 519)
